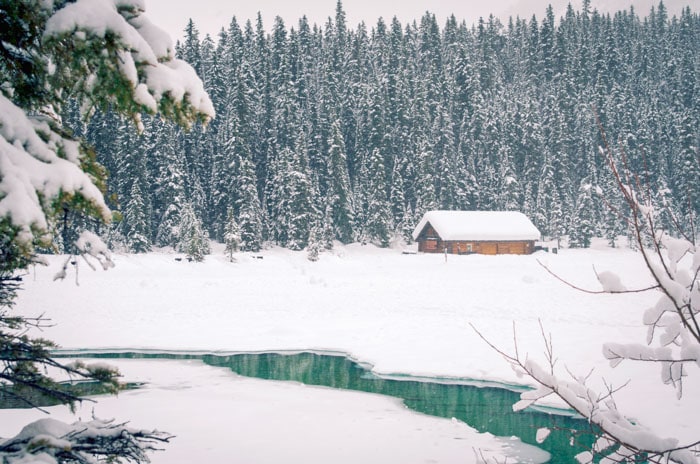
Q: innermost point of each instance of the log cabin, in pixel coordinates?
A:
(483, 232)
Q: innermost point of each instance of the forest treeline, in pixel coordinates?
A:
(328, 132)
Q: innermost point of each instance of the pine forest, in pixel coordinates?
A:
(329, 132)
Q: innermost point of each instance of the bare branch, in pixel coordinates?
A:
(594, 292)
(589, 405)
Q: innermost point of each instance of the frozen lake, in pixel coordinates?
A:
(218, 416)
(486, 407)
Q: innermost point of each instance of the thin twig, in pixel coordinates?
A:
(595, 292)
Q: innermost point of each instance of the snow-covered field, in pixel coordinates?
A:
(401, 313)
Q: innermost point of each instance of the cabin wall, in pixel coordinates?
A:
(436, 245)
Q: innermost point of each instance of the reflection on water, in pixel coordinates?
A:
(486, 409)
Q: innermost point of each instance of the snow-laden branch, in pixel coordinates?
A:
(610, 282)
(618, 437)
(53, 441)
(37, 165)
(143, 58)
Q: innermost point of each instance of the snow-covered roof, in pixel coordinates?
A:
(479, 225)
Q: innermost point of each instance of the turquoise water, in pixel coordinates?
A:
(484, 407)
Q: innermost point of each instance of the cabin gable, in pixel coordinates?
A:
(429, 241)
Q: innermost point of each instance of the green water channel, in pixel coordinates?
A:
(485, 407)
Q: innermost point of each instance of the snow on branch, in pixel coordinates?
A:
(52, 441)
(90, 244)
(618, 437)
(610, 282)
(140, 55)
(32, 170)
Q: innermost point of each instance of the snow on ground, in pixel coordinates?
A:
(401, 313)
(220, 417)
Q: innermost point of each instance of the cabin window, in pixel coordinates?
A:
(469, 247)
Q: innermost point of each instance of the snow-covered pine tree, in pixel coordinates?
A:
(377, 212)
(250, 214)
(232, 234)
(582, 225)
(222, 193)
(547, 207)
(424, 184)
(327, 229)
(131, 169)
(339, 193)
(687, 169)
(136, 228)
(291, 201)
(196, 147)
(401, 217)
(314, 244)
(192, 239)
(169, 194)
(231, 80)
(448, 169)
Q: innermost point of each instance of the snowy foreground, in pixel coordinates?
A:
(401, 313)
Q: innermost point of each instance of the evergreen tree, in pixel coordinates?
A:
(250, 214)
(190, 50)
(339, 195)
(547, 214)
(448, 169)
(291, 201)
(314, 245)
(222, 195)
(196, 147)
(169, 194)
(327, 233)
(582, 224)
(401, 216)
(192, 240)
(687, 169)
(135, 223)
(133, 232)
(377, 212)
(424, 186)
(232, 235)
